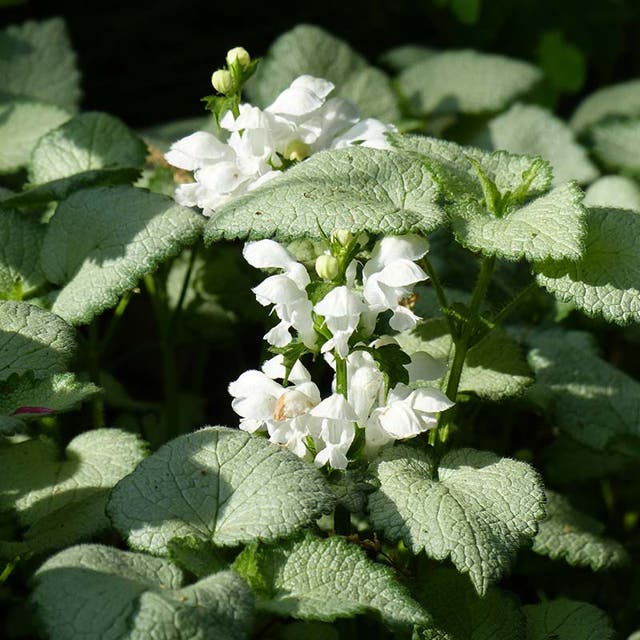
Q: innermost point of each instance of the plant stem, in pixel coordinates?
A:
(115, 320)
(438, 289)
(97, 402)
(341, 375)
(183, 291)
(510, 306)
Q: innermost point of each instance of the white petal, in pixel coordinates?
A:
(365, 390)
(335, 407)
(197, 150)
(340, 302)
(304, 95)
(368, 133)
(403, 319)
(279, 336)
(392, 248)
(400, 421)
(425, 367)
(267, 254)
(274, 368)
(278, 289)
(429, 400)
(254, 382)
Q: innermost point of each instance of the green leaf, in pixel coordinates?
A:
(456, 168)
(531, 130)
(20, 272)
(570, 535)
(62, 500)
(460, 614)
(101, 241)
(221, 485)
(617, 100)
(595, 403)
(354, 189)
(32, 339)
(494, 369)
(566, 620)
(563, 63)
(36, 61)
(308, 631)
(30, 398)
(399, 58)
(325, 579)
(474, 507)
(311, 50)
(199, 557)
(615, 144)
(465, 82)
(87, 142)
(605, 281)
(57, 190)
(551, 226)
(616, 192)
(23, 121)
(99, 592)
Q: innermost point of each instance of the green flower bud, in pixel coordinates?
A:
(342, 237)
(238, 55)
(222, 81)
(327, 267)
(297, 150)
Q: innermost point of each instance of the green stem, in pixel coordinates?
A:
(97, 402)
(509, 307)
(115, 320)
(341, 375)
(439, 290)
(173, 323)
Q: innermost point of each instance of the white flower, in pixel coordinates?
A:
(341, 309)
(285, 291)
(337, 430)
(391, 273)
(367, 133)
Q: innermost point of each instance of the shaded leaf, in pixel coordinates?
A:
(615, 192)
(566, 620)
(616, 100)
(221, 485)
(100, 592)
(474, 507)
(316, 579)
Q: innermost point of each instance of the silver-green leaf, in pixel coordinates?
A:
(20, 271)
(465, 82)
(616, 100)
(606, 280)
(566, 620)
(101, 241)
(218, 484)
(570, 535)
(474, 507)
(93, 591)
(325, 579)
(534, 131)
(87, 142)
(310, 50)
(355, 189)
(33, 339)
(62, 500)
(37, 61)
(616, 192)
(615, 144)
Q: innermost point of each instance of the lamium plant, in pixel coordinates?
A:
(437, 436)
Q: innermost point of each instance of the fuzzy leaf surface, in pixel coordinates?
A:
(615, 192)
(325, 579)
(606, 280)
(566, 620)
(495, 368)
(355, 189)
(87, 142)
(615, 144)
(531, 130)
(23, 121)
(119, 235)
(20, 271)
(460, 614)
(476, 508)
(63, 500)
(37, 61)
(551, 226)
(218, 484)
(32, 339)
(593, 401)
(100, 592)
(310, 50)
(616, 100)
(465, 82)
(570, 535)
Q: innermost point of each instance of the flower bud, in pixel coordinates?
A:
(342, 237)
(222, 81)
(297, 150)
(327, 267)
(238, 55)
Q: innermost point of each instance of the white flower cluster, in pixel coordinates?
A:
(294, 414)
(301, 121)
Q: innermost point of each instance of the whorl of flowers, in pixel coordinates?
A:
(255, 145)
(336, 313)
